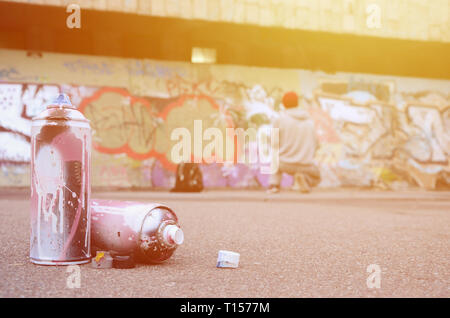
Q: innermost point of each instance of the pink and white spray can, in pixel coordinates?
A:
(60, 185)
(150, 231)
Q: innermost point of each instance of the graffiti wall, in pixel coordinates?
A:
(375, 131)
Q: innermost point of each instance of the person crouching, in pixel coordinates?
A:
(297, 146)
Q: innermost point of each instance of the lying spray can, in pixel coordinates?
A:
(60, 185)
(150, 231)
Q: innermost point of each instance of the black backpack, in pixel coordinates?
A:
(189, 178)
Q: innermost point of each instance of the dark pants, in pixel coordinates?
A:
(311, 173)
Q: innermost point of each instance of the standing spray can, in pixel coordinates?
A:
(60, 185)
(149, 231)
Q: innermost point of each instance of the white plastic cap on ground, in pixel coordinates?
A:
(228, 259)
(173, 233)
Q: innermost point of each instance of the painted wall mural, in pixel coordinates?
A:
(375, 131)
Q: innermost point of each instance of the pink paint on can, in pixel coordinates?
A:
(150, 231)
(60, 185)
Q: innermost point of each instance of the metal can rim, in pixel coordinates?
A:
(71, 122)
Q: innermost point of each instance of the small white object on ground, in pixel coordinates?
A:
(228, 259)
(102, 260)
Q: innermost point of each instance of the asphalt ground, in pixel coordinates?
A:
(291, 245)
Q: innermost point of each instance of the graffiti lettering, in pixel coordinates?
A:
(86, 67)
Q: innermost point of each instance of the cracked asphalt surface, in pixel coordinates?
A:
(291, 245)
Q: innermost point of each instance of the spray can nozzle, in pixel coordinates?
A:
(173, 235)
(62, 100)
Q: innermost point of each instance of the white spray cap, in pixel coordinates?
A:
(173, 234)
(228, 259)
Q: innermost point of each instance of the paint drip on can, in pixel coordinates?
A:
(60, 185)
(150, 231)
